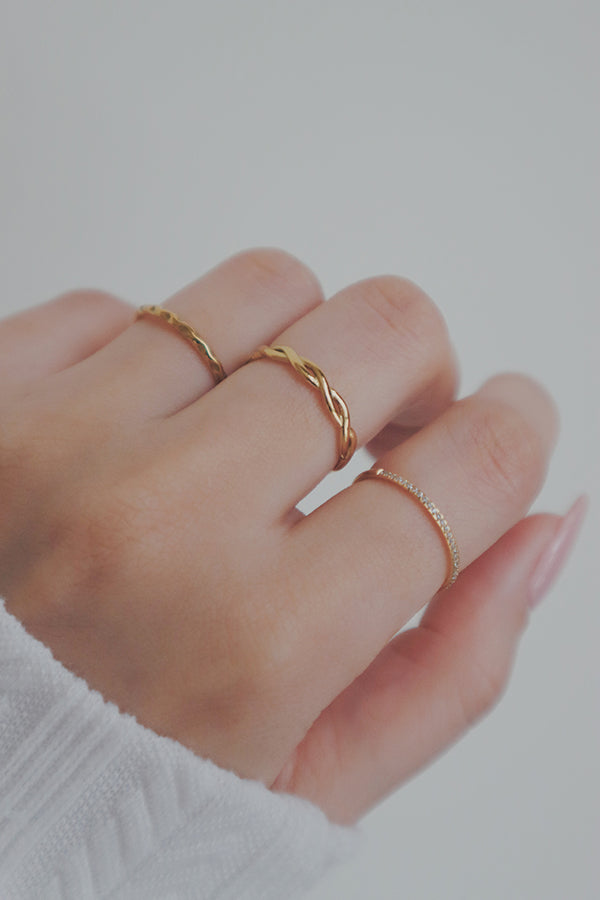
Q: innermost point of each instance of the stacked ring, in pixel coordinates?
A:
(216, 369)
(314, 375)
(431, 508)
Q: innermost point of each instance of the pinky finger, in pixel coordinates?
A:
(432, 682)
(59, 333)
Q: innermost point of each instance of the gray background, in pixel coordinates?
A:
(455, 143)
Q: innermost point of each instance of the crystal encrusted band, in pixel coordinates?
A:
(434, 512)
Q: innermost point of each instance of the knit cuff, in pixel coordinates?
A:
(93, 804)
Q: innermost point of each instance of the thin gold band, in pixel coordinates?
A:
(216, 369)
(313, 374)
(431, 508)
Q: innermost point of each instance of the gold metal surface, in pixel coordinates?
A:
(335, 404)
(186, 331)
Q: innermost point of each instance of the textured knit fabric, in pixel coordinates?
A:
(93, 805)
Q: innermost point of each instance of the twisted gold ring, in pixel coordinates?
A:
(313, 374)
(431, 508)
(216, 369)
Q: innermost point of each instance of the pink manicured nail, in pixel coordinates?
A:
(555, 555)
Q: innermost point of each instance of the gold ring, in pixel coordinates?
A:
(313, 374)
(216, 369)
(431, 508)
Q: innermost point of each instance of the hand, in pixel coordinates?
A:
(149, 533)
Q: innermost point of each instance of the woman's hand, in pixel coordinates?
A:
(149, 535)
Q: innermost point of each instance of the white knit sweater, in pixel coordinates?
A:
(93, 805)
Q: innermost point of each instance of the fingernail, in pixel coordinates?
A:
(557, 552)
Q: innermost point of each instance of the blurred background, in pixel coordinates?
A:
(454, 143)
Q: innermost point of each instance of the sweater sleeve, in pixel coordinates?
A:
(92, 804)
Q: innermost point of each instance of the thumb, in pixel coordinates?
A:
(432, 682)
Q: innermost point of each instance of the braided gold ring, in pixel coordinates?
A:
(335, 405)
(431, 508)
(216, 369)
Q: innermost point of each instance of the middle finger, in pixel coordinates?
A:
(383, 346)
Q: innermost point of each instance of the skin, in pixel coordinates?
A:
(149, 533)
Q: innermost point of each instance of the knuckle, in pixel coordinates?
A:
(503, 449)
(271, 633)
(93, 536)
(40, 437)
(87, 548)
(23, 444)
(267, 648)
(40, 468)
(405, 312)
(278, 269)
(482, 687)
(99, 539)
